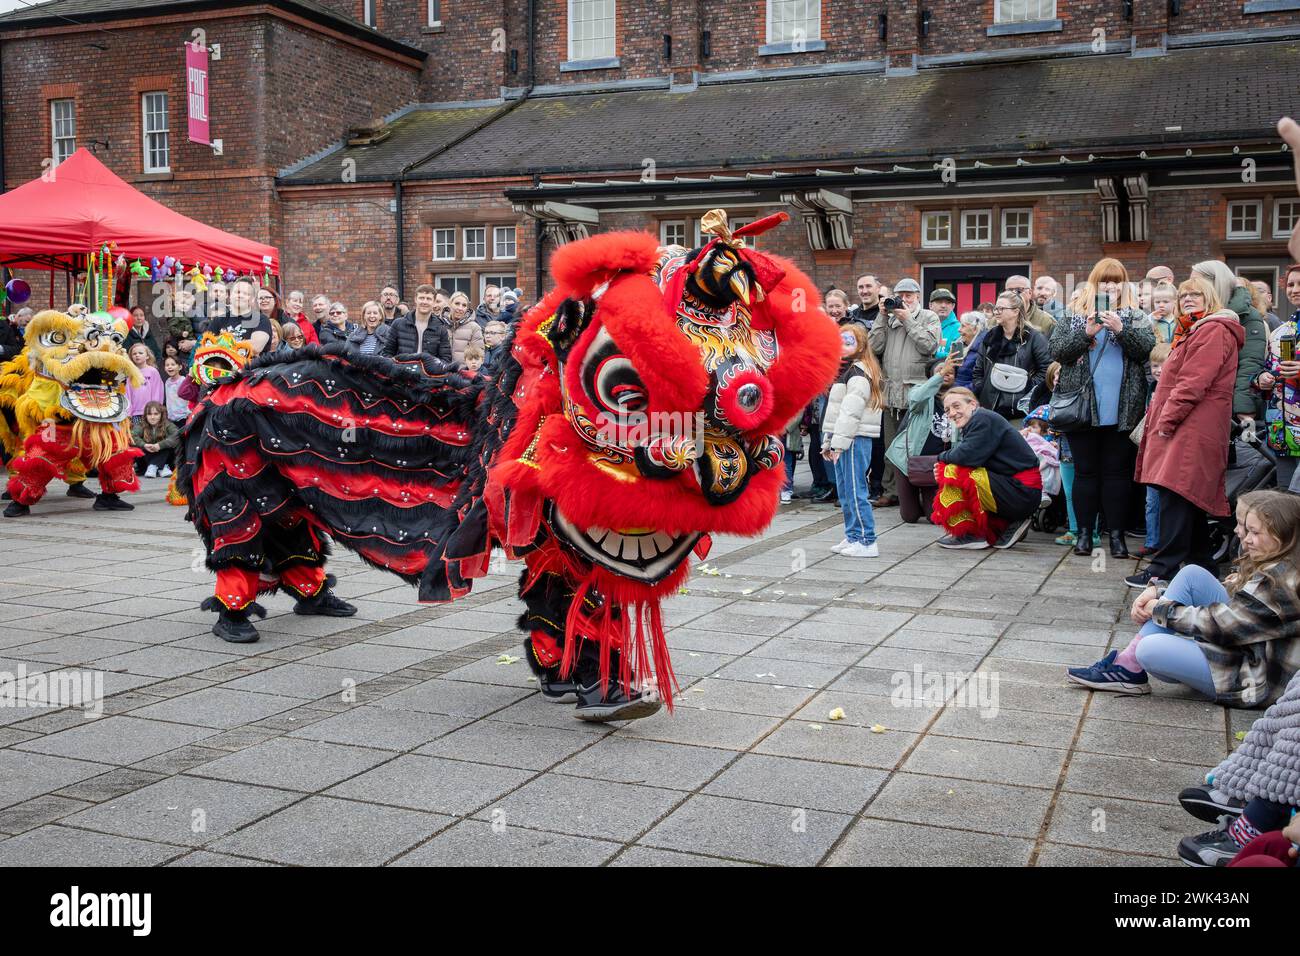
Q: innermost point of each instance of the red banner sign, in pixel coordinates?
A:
(196, 90)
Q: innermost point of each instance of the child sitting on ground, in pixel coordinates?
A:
(1038, 433)
(157, 438)
(1252, 794)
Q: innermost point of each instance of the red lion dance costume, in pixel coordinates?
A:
(637, 413)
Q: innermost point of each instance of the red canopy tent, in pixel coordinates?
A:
(77, 207)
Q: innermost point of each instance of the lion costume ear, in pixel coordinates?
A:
(571, 318)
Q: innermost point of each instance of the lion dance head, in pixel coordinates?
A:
(654, 386)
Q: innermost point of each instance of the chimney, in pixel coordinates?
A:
(683, 24)
(903, 43)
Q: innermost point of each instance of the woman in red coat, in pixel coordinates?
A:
(1184, 450)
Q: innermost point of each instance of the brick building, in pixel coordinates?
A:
(460, 140)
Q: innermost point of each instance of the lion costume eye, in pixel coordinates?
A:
(619, 389)
(53, 338)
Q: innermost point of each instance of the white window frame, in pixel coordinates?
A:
(1034, 11)
(368, 13)
(464, 243)
(1258, 206)
(967, 214)
(811, 21)
(663, 232)
(434, 13)
(146, 132)
(444, 229)
(1280, 231)
(486, 279)
(513, 233)
(587, 38)
(70, 136)
(1029, 239)
(440, 282)
(926, 241)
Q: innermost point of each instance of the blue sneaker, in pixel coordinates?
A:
(1107, 675)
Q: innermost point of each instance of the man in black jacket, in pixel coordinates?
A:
(868, 307)
(421, 331)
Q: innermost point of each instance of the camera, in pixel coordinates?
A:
(891, 303)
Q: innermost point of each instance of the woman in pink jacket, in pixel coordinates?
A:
(1184, 450)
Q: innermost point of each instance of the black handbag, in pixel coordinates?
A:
(1072, 411)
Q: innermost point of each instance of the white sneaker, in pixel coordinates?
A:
(166, 471)
(859, 550)
(787, 497)
(839, 548)
(151, 471)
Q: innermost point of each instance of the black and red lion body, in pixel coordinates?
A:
(637, 413)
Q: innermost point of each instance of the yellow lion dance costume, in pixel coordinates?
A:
(64, 410)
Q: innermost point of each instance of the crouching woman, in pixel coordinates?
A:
(989, 483)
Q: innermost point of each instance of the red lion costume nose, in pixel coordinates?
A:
(743, 398)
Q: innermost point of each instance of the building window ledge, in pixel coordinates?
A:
(1033, 26)
(433, 29)
(792, 46)
(604, 63)
(1269, 6)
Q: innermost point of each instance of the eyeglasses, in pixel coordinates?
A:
(337, 312)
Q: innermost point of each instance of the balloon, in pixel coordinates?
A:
(18, 291)
(120, 313)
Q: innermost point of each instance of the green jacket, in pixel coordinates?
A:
(171, 435)
(920, 405)
(1253, 357)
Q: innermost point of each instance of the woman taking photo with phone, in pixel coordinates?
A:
(1184, 450)
(1012, 360)
(1102, 342)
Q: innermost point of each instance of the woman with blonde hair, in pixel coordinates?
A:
(1184, 450)
(1102, 342)
(1237, 643)
(852, 423)
(1235, 294)
(461, 327)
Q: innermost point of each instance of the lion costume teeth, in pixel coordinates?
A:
(636, 414)
(63, 405)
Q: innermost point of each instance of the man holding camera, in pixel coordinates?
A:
(905, 338)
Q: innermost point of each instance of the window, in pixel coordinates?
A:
(1024, 11)
(63, 129)
(1286, 215)
(936, 229)
(591, 29)
(1017, 227)
(475, 239)
(506, 280)
(368, 12)
(435, 13)
(452, 284)
(157, 155)
(444, 244)
(672, 232)
(792, 21)
(1244, 219)
(504, 242)
(976, 227)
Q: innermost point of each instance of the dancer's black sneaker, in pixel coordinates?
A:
(16, 510)
(107, 502)
(325, 603)
(79, 490)
(615, 703)
(1206, 803)
(555, 689)
(235, 627)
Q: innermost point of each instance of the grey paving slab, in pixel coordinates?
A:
(709, 728)
(889, 843)
(300, 680)
(798, 783)
(838, 743)
(1181, 744)
(56, 845)
(985, 807)
(219, 707)
(503, 745)
(163, 661)
(118, 740)
(744, 830)
(479, 843)
(1009, 726)
(984, 760)
(622, 760)
(294, 764)
(744, 697)
(1106, 822)
(432, 783)
(184, 811)
(592, 808)
(322, 831)
(378, 658)
(369, 726)
(453, 698)
(652, 856)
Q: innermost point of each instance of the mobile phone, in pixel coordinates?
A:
(956, 351)
(1286, 348)
(1102, 302)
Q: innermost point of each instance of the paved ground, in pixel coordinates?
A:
(210, 753)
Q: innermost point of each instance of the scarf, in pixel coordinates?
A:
(1184, 325)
